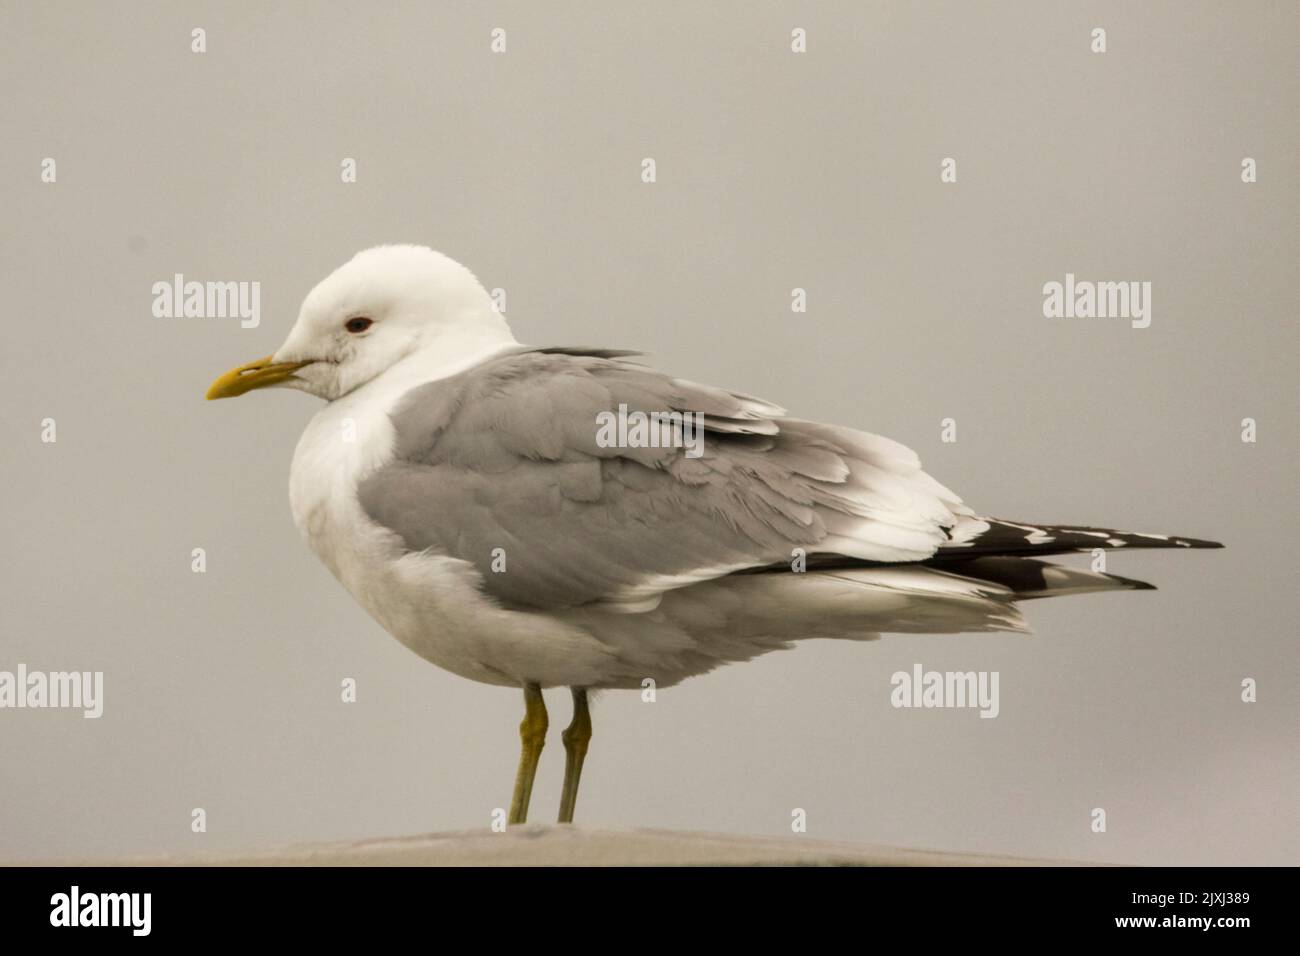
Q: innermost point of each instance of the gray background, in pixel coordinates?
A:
(775, 170)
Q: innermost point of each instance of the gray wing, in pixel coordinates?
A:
(506, 456)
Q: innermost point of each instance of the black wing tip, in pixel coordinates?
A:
(1133, 584)
(590, 352)
(1071, 537)
(1178, 542)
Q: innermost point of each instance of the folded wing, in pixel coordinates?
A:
(503, 466)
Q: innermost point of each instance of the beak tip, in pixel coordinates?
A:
(221, 388)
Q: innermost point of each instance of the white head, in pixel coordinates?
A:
(385, 304)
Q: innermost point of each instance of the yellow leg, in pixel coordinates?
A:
(575, 737)
(532, 736)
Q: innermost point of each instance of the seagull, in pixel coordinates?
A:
(469, 493)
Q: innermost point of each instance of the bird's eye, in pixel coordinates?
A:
(359, 324)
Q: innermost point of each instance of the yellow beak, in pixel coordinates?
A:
(258, 374)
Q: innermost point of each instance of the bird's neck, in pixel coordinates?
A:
(452, 351)
(455, 347)
(353, 435)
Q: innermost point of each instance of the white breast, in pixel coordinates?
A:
(431, 603)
